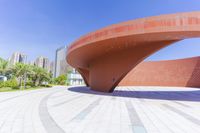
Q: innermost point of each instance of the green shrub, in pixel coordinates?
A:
(61, 80)
(1, 84)
(47, 86)
(11, 83)
(30, 83)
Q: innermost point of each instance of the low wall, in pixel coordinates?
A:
(181, 72)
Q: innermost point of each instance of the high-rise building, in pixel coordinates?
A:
(61, 66)
(18, 57)
(43, 63)
(52, 67)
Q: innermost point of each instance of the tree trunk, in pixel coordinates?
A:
(20, 82)
(24, 80)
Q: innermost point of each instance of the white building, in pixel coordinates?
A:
(18, 57)
(43, 63)
(75, 78)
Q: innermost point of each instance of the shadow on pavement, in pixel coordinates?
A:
(193, 95)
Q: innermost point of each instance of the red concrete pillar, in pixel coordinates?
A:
(108, 70)
(85, 74)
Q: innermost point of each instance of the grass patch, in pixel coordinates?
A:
(8, 89)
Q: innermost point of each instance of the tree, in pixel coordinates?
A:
(21, 71)
(61, 80)
(39, 75)
(25, 74)
(3, 67)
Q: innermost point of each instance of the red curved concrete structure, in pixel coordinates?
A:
(181, 72)
(104, 57)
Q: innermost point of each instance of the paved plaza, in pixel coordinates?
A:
(80, 110)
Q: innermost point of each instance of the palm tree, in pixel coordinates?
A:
(21, 71)
(39, 75)
(35, 74)
(45, 77)
(3, 67)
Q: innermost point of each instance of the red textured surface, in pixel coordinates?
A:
(106, 56)
(182, 72)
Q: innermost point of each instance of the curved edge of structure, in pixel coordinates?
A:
(105, 57)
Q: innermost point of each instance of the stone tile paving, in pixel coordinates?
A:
(80, 110)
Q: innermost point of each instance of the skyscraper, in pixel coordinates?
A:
(18, 57)
(43, 63)
(61, 66)
(52, 68)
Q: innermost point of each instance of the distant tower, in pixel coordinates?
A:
(61, 66)
(43, 63)
(18, 57)
(52, 67)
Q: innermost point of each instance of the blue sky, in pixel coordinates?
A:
(38, 27)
